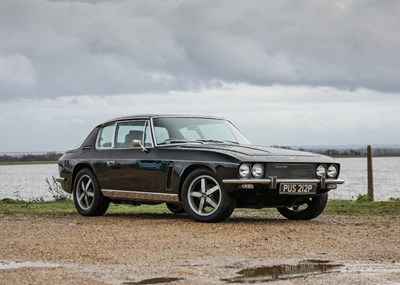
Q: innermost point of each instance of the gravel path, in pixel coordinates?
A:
(156, 248)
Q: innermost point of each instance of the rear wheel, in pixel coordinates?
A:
(204, 200)
(307, 209)
(88, 199)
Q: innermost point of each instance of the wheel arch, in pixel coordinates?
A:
(189, 169)
(78, 167)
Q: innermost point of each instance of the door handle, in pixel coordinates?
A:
(110, 162)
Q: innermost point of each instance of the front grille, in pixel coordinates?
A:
(282, 170)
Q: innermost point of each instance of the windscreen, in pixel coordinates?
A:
(202, 130)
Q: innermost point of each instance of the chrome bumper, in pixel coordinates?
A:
(273, 182)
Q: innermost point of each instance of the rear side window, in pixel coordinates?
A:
(105, 137)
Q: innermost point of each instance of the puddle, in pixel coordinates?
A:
(25, 264)
(283, 272)
(154, 281)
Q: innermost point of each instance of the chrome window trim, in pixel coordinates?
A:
(151, 135)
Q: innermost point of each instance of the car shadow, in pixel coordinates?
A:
(234, 219)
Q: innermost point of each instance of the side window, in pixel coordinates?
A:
(105, 137)
(126, 132)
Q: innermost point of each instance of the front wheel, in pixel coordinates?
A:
(204, 200)
(88, 199)
(306, 209)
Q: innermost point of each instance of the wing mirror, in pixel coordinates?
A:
(138, 143)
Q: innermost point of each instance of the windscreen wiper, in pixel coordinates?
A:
(211, 141)
(218, 141)
(232, 142)
(172, 141)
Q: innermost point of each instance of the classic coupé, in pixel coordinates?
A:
(203, 166)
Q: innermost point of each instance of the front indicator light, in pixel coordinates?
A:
(247, 186)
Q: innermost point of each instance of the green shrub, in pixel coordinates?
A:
(363, 198)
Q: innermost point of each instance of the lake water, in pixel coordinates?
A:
(28, 182)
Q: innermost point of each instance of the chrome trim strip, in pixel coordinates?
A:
(123, 194)
(179, 160)
(269, 181)
(60, 179)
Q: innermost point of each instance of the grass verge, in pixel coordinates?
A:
(364, 208)
(66, 207)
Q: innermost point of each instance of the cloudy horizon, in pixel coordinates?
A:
(285, 72)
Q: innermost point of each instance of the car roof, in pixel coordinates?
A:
(148, 116)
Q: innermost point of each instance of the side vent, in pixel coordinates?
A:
(170, 171)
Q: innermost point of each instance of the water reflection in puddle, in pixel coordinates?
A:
(154, 281)
(283, 272)
(17, 264)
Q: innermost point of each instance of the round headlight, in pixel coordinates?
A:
(321, 170)
(257, 170)
(332, 171)
(244, 170)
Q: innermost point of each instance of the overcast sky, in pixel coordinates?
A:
(285, 72)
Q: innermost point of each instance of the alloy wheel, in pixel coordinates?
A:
(204, 195)
(85, 192)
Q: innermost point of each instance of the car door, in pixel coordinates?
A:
(124, 166)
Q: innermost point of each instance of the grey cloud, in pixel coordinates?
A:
(295, 115)
(58, 48)
(16, 69)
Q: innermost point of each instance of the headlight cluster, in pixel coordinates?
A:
(331, 171)
(256, 170)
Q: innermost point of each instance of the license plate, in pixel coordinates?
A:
(293, 188)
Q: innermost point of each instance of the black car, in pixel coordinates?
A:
(203, 166)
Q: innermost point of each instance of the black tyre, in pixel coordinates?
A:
(175, 208)
(203, 199)
(307, 209)
(88, 199)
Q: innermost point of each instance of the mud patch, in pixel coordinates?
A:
(158, 280)
(283, 271)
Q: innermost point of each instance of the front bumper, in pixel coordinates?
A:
(60, 179)
(274, 181)
(63, 181)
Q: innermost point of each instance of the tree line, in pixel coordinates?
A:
(49, 156)
(351, 152)
(377, 152)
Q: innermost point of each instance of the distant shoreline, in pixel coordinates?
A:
(52, 157)
(349, 152)
(26, 162)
